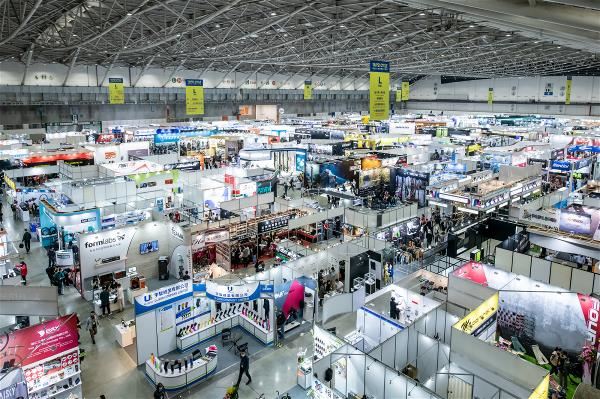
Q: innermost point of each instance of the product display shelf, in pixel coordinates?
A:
(58, 394)
(201, 369)
(72, 375)
(238, 319)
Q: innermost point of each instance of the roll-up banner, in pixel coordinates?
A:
(308, 90)
(490, 96)
(568, 90)
(194, 97)
(116, 91)
(379, 90)
(405, 91)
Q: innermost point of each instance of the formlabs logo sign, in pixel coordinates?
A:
(105, 241)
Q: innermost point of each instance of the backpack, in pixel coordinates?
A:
(554, 359)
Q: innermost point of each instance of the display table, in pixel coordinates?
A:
(125, 335)
(23, 214)
(175, 380)
(131, 294)
(304, 375)
(238, 320)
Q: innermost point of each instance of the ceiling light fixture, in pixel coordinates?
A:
(422, 14)
(217, 26)
(471, 26)
(273, 13)
(508, 35)
(342, 26)
(129, 14)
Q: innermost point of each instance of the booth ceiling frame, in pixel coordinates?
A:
(466, 38)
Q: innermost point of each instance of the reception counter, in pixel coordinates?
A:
(175, 380)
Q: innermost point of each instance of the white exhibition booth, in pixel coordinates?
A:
(183, 315)
(136, 246)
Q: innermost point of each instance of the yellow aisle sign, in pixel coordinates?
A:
(405, 90)
(568, 90)
(308, 90)
(398, 94)
(541, 392)
(475, 322)
(379, 90)
(490, 96)
(194, 97)
(116, 91)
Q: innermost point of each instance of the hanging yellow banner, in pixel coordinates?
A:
(398, 94)
(405, 91)
(116, 91)
(480, 318)
(194, 97)
(379, 90)
(308, 90)
(490, 96)
(568, 90)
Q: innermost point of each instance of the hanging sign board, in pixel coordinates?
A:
(568, 87)
(116, 91)
(308, 90)
(475, 322)
(194, 97)
(379, 90)
(405, 91)
(490, 99)
(398, 94)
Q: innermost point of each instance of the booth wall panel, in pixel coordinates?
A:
(560, 275)
(504, 259)
(506, 395)
(412, 345)
(540, 270)
(441, 385)
(521, 264)
(398, 386)
(147, 342)
(356, 374)
(375, 379)
(597, 283)
(388, 351)
(376, 353)
(443, 356)
(401, 350)
(581, 282)
(483, 389)
(428, 356)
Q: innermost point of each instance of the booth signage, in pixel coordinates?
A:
(188, 165)
(398, 96)
(454, 198)
(478, 320)
(273, 224)
(308, 90)
(561, 165)
(33, 344)
(64, 258)
(116, 91)
(177, 232)
(542, 390)
(194, 96)
(379, 90)
(232, 293)
(557, 154)
(591, 313)
(95, 247)
(163, 296)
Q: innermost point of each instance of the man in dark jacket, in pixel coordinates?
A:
(27, 240)
(244, 368)
(105, 301)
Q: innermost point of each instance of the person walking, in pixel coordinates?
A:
(59, 277)
(91, 325)
(105, 301)
(51, 257)
(159, 392)
(244, 368)
(562, 370)
(23, 269)
(27, 240)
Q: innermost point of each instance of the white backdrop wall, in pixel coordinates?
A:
(585, 89)
(11, 73)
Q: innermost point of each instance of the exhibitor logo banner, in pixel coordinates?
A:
(591, 313)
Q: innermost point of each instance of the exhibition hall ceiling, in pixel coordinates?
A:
(462, 38)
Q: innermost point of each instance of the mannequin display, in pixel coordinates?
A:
(266, 306)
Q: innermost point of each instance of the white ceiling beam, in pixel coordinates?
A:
(143, 71)
(71, 66)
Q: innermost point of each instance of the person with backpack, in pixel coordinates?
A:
(554, 359)
(91, 325)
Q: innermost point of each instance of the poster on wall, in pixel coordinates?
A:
(300, 161)
(412, 185)
(579, 219)
(167, 318)
(379, 90)
(527, 315)
(33, 344)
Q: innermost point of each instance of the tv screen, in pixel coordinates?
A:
(147, 247)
